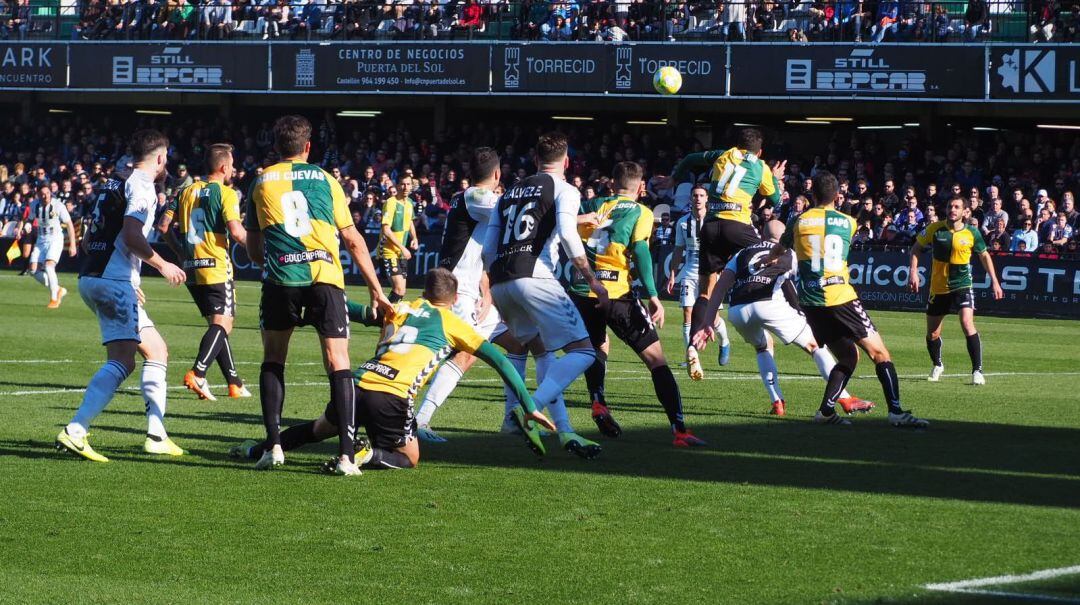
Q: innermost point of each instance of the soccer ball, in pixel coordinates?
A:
(667, 80)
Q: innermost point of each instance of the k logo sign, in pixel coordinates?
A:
(1029, 71)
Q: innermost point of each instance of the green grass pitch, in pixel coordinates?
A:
(774, 511)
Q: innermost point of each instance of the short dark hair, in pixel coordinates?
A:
(217, 154)
(440, 285)
(551, 147)
(485, 161)
(291, 133)
(700, 186)
(626, 174)
(146, 142)
(750, 139)
(963, 201)
(824, 188)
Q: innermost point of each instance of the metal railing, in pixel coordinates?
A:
(717, 20)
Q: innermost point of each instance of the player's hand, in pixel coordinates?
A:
(702, 338)
(670, 284)
(72, 250)
(778, 170)
(483, 307)
(405, 254)
(382, 304)
(656, 312)
(998, 292)
(539, 418)
(172, 274)
(413, 245)
(664, 182)
(140, 296)
(913, 282)
(588, 220)
(601, 294)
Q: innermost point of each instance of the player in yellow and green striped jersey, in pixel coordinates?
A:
(821, 238)
(397, 239)
(952, 243)
(206, 214)
(296, 212)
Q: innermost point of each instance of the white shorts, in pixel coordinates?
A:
(534, 307)
(689, 291)
(47, 249)
(775, 315)
(489, 328)
(119, 313)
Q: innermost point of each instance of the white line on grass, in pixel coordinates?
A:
(974, 586)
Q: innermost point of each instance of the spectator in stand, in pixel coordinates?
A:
(733, 21)
(1044, 224)
(994, 215)
(1061, 231)
(472, 17)
(1026, 237)
(216, 21)
(180, 20)
(664, 233)
(1068, 206)
(888, 12)
(976, 19)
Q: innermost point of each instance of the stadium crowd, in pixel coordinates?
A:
(1021, 185)
(608, 20)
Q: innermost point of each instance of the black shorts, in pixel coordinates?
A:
(319, 305)
(718, 241)
(627, 318)
(938, 305)
(395, 266)
(214, 299)
(387, 419)
(831, 324)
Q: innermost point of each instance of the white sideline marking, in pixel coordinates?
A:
(972, 586)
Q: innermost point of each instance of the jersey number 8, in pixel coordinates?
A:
(297, 217)
(833, 253)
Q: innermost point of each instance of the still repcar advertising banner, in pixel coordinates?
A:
(1033, 287)
(165, 66)
(404, 67)
(33, 65)
(858, 71)
(1035, 72)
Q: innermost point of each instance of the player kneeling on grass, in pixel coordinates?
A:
(952, 242)
(763, 301)
(621, 235)
(416, 337)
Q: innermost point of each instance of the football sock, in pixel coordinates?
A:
(769, 375)
(291, 438)
(272, 399)
(697, 316)
(41, 277)
(154, 393)
(343, 398)
(686, 335)
(53, 283)
(387, 459)
(824, 361)
(594, 380)
(99, 392)
(721, 330)
(890, 384)
(551, 388)
(519, 362)
(395, 297)
(933, 346)
(974, 346)
(227, 364)
(838, 379)
(209, 347)
(442, 384)
(667, 391)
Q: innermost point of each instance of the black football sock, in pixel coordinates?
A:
(272, 398)
(838, 379)
(387, 459)
(933, 346)
(697, 315)
(395, 297)
(343, 398)
(299, 435)
(227, 365)
(974, 345)
(209, 347)
(667, 391)
(594, 380)
(890, 385)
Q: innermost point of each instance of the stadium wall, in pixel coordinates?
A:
(1033, 286)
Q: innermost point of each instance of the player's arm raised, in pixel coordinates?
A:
(720, 290)
(133, 238)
